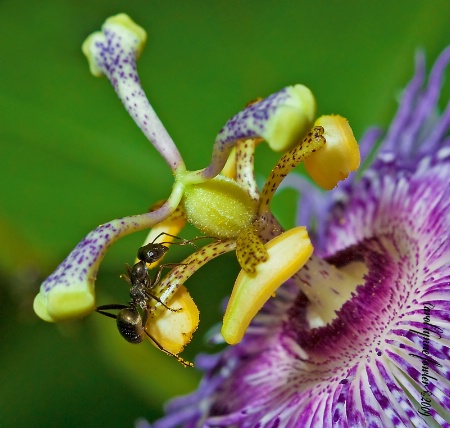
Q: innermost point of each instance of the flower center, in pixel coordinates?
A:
(328, 287)
(365, 274)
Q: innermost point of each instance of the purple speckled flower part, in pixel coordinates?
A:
(384, 361)
(113, 52)
(76, 275)
(260, 120)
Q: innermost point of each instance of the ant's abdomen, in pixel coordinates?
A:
(129, 324)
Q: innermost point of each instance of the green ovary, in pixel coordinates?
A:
(219, 207)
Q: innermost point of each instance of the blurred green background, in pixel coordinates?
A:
(71, 158)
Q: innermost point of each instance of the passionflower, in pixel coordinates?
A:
(360, 336)
(221, 200)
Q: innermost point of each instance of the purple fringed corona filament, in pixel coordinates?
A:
(382, 359)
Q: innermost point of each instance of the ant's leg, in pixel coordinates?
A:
(152, 252)
(125, 277)
(148, 294)
(156, 280)
(183, 240)
(106, 314)
(189, 241)
(179, 359)
(164, 233)
(101, 309)
(160, 268)
(112, 306)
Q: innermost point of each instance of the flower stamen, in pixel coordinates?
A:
(313, 142)
(339, 157)
(250, 251)
(245, 171)
(287, 253)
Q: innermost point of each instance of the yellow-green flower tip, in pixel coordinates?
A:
(292, 120)
(338, 158)
(288, 252)
(121, 24)
(87, 51)
(63, 304)
(174, 330)
(219, 207)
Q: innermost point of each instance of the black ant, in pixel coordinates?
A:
(130, 323)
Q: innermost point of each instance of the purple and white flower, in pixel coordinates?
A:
(360, 335)
(371, 347)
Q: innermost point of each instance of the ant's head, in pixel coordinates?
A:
(151, 252)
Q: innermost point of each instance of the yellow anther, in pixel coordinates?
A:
(288, 252)
(174, 330)
(250, 251)
(338, 158)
